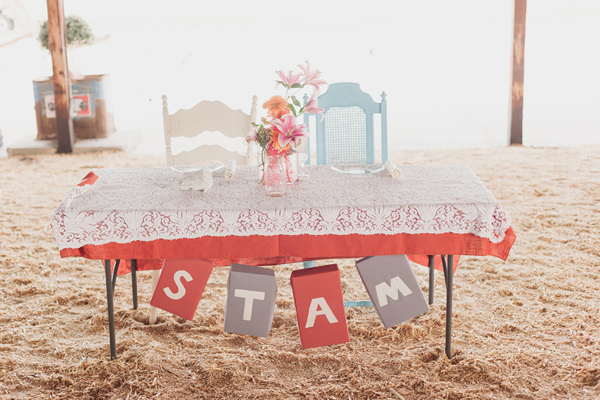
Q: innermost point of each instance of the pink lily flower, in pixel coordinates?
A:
(252, 136)
(311, 107)
(288, 80)
(312, 77)
(290, 132)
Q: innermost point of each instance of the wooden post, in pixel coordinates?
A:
(517, 73)
(57, 39)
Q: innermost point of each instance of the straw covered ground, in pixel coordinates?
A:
(527, 328)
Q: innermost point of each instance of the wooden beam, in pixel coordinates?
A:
(517, 73)
(57, 39)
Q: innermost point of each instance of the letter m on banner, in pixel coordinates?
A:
(180, 286)
(393, 288)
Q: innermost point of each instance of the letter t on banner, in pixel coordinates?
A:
(319, 306)
(180, 286)
(393, 288)
(250, 303)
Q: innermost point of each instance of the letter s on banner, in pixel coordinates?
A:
(180, 288)
(183, 301)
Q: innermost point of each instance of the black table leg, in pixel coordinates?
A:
(114, 275)
(449, 278)
(111, 311)
(431, 277)
(134, 284)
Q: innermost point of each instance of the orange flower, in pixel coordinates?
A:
(276, 105)
(275, 141)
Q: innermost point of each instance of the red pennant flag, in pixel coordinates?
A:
(180, 286)
(319, 306)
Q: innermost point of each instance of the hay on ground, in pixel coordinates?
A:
(527, 328)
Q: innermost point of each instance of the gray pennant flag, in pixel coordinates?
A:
(393, 288)
(250, 305)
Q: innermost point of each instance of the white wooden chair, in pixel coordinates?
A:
(218, 120)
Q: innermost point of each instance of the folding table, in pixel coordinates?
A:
(141, 217)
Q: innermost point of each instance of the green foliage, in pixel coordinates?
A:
(78, 32)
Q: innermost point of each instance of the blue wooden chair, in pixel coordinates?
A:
(346, 133)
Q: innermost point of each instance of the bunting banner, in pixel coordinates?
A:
(318, 298)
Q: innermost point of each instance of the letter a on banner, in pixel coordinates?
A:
(250, 303)
(319, 306)
(180, 286)
(393, 288)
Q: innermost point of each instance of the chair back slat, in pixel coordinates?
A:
(206, 153)
(211, 116)
(207, 116)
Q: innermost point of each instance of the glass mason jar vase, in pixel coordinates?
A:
(275, 175)
(291, 166)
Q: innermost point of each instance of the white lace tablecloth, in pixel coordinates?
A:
(126, 205)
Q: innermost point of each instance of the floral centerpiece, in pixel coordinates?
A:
(280, 132)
